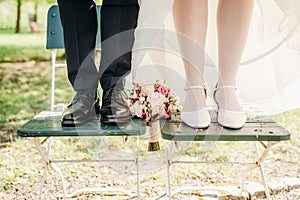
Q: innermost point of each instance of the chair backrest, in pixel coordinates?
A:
(55, 37)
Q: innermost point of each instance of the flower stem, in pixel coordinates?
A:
(153, 146)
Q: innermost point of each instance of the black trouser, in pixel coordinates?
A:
(79, 20)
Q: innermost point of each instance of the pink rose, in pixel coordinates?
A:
(163, 116)
(163, 90)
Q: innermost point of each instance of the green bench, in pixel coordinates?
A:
(258, 129)
(262, 130)
(46, 126)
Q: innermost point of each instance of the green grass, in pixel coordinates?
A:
(25, 91)
(24, 47)
(290, 120)
(25, 86)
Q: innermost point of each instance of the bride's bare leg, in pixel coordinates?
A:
(233, 20)
(190, 19)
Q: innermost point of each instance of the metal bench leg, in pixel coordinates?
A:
(52, 163)
(258, 163)
(85, 190)
(137, 167)
(53, 64)
(168, 164)
(58, 170)
(261, 158)
(45, 157)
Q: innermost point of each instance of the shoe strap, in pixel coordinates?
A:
(226, 87)
(195, 87)
(222, 87)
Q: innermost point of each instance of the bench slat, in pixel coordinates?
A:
(49, 124)
(257, 128)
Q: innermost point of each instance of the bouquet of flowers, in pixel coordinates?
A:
(152, 102)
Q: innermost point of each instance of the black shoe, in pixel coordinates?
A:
(81, 110)
(114, 108)
(97, 104)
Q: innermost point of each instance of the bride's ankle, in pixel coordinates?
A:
(226, 97)
(195, 98)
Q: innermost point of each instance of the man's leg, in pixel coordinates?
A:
(118, 22)
(79, 20)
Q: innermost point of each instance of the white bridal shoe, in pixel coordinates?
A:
(228, 118)
(197, 118)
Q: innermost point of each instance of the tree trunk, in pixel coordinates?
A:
(19, 3)
(35, 11)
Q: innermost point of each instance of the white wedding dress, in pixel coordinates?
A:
(269, 74)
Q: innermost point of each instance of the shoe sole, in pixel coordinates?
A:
(74, 124)
(231, 128)
(115, 121)
(70, 123)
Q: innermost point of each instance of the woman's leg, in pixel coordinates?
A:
(233, 20)
(190, 19)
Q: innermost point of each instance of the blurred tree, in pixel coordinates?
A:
(36, 4)
(35, 17)
(19, 4)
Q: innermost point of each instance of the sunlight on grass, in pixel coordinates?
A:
(24, 47)
(25, 91)
(290, 120)
(24, 39)
(13, 169)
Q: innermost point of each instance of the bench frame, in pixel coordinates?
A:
(47, 125)
(259, 129)
(258, 132)
(49, 163)
(258, 163)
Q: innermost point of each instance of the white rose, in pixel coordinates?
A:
(156, 99)
(136, 109)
